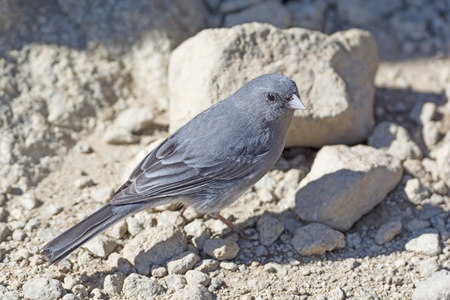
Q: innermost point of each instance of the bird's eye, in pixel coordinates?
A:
(271, 97)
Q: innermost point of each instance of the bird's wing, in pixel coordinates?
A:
(173, 169)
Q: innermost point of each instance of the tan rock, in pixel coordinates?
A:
(334, 75)
(345, 183)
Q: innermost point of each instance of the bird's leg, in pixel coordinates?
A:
(230, 224)
(233, 227)
(182, 210)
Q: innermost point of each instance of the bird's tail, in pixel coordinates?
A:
(62, 245)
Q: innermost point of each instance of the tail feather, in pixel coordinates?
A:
(62, 245)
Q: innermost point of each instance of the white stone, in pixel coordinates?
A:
(119, 136)
(113, 283)
(427, 244)
(221, 249)
(135, 119)
(42, 289)
(415, 191)
(101, 246)
(197, 277)
(345, 183)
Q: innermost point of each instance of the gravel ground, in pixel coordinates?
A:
(61, 162)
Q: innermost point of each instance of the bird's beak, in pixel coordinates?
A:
(295, 103)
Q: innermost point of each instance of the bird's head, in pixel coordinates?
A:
(271, 96)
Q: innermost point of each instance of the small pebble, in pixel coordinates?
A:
(221, 249)
(216, 283)
(227, 265)
(53, 209)
(207, 265)
(113, 283)
(83, 182)
(192, 291)
(102, 194)
(4, 231)
(29, 201)
(18, 235)
(316, 238)
(387, 232)
(415, 191)
(83, 147)
(269, 229)
(183, 262)
(174, 282)
(197, 277)
(136, 285)
(101, 246)
(117, 231)
(159, 272)
(80, 291)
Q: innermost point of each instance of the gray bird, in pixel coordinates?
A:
(207, 164)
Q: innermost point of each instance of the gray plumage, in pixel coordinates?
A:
(207, 164)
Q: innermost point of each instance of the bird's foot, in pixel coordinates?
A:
(244, 231)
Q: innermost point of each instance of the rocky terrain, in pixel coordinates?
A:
(357, 207)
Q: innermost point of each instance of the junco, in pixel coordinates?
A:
(207, 164)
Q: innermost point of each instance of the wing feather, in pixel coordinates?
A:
(171, 170)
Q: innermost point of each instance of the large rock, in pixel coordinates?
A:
(345, 183)
(334, 75)
(154, 246)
